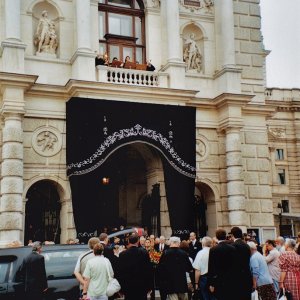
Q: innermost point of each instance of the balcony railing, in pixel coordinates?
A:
(132, 77)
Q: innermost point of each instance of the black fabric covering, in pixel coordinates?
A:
(96, 131)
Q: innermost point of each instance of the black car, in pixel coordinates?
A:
(60, 261)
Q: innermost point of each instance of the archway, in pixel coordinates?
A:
(205, 217)
(42, 212)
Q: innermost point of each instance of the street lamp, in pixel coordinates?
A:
(279, 205)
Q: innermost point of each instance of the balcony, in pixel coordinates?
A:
(131, 77)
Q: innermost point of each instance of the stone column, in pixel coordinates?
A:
(175, 65)
(225, 33)
(83, 60)
(13, 48)
(235, 182)
(11, 204)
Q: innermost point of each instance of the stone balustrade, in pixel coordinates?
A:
(131, 77)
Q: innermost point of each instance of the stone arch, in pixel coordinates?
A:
(196, 25)
(210, 194)
(30, 9)
(63, 187)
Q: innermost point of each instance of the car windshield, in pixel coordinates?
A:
(3, 271)
(61, 263)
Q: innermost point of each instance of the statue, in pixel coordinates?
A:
(192, 55)
(45, 37)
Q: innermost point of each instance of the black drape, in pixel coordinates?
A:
(96, 129)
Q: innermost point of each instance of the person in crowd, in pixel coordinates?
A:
(201, 269)
(222, 268)
(33, 273)
(161, 246)
(272, 259)
(136, 275)
(142, 241)
(95, 275)
(150, 67)
(184, 245)
(148, 245)
(127, 59)
(102, 59)
(107, 252)
(298, 242)
(172, 268)
(214, 241)
(262, 281)
(280, 244)
(195, 246)
(289, 263)
(243, 279)
(82, 261)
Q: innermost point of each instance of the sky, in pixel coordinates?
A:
(281, 33)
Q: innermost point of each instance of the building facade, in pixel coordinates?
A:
(208, 55)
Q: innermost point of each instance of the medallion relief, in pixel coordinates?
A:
(277, 132)
(47, 141)
(201, 149)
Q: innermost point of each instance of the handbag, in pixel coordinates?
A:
(113, 284)
(285, 295)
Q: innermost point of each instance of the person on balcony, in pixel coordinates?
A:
(150, 67)
(102, 60)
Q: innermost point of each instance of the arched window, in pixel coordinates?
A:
(121, 29)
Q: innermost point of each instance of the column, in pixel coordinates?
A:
(225, 33)
(83, 19)
(13, 48)
(11, 204)
(175, 65)
(12, 19)
(235, 182)
(83, 60)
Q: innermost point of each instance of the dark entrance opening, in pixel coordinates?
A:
(42, 213)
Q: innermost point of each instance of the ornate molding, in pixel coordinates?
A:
(277, 132)
(152, 3)
(197, 6)
(46, 141)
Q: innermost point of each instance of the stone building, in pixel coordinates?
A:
(208, 54)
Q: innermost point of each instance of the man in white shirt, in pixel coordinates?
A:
(201, 268)
(280, 244)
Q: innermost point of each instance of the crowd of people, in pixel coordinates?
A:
(103, 59)
(227, 266)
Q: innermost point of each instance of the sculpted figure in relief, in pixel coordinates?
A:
(45, 37)
(192, 55)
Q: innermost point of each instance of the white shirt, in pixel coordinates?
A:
(201, 261)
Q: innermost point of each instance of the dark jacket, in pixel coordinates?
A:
(135, 271)
(243, 274)
(33, 273)
(194, 249)
(222, 271)
(156, 247)
(172, 268)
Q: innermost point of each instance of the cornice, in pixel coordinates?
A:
(126, 92)
(17, 80)
(259, 109)
(284, 106)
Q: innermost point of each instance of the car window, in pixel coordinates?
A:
(61, 263)
(4, 267)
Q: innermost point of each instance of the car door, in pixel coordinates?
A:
(5, 265)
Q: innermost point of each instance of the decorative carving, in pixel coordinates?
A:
(45, 38)
(201, 149)
(197, 6)
(152, 3)
(192, 55)
(277, 132)
(46, 141)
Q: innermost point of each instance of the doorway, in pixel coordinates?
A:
(42, 213)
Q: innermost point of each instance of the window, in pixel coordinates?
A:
(281, 176)
(121, 29)
(285, 206)
(4, 266)
(279, 154)
(61, 264)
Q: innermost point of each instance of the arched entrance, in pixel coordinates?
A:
(205, 215)
(42, 212)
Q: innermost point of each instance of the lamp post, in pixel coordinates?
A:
(279, 205)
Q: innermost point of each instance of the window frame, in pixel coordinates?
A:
(119, 40)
